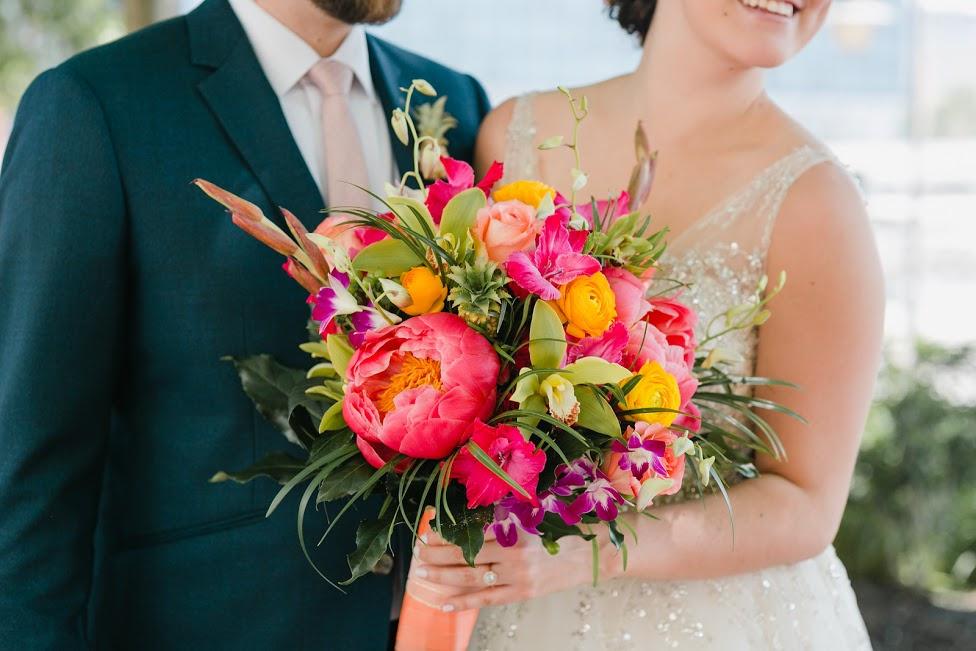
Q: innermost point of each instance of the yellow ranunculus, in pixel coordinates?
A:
(528, 192)
(657, 389)
(586, 305)
(427, 292)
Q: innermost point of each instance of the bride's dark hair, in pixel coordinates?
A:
(633, 15)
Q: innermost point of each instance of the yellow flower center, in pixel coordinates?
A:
(528, 192)
(415, 372)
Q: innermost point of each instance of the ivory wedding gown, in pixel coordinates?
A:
(807, 605)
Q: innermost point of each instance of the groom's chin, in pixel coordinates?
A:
(352, 12)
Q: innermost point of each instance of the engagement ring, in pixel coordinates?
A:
(489, 578)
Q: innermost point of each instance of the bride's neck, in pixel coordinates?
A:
(685, 88)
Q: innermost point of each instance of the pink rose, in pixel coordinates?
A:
(631, 465)
(506, 227)
(516, 456)
(677, 321)
(416, 388)
(629, 291)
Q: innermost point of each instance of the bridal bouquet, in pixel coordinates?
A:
(496, 353)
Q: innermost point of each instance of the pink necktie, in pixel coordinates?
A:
(344, 165)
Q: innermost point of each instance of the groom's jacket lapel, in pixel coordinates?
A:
(388, 78)
(245, 105)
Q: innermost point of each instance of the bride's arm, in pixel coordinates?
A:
(825, 335)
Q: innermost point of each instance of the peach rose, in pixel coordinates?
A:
(506, 227)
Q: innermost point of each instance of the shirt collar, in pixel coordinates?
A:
(286, 58)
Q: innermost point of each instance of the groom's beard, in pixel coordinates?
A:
(352, 12)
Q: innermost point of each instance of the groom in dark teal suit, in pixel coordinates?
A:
(121, 286)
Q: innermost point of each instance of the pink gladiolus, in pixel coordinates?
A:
(557, 260)
(416, 388)
(608, 211)
(629, 291)
(460, 177)
(609, 346)
(508, 448)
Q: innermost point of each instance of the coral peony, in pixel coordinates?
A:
(677, 322)
(416, 388)
(505, 444)
(629, 291)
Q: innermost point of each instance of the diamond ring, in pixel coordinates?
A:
(489, 578)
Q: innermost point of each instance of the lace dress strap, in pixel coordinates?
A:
(781, 177)
(520, 151)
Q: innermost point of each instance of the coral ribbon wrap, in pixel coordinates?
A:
(426, 628)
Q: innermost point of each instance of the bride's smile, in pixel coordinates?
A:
(774, 7)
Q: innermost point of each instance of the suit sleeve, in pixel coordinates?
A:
(61, 279)
(481, 97)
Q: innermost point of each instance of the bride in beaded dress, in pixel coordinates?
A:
(745, 192)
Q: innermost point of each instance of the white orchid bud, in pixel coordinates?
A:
(430, 161)
(424, 88)
(682, 445)
(551, 143)
(651, 489)
(579, 179)
(400, 128)
(704, 469)
(396, 292)
(761, 318)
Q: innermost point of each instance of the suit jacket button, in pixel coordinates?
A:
(383, 566)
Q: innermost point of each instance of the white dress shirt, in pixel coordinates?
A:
(286, 59)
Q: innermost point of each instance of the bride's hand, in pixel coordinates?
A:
(440, 577)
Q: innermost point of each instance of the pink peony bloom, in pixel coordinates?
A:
(677, 321)
(557, 260)
(460, 177)
(648, 454)
(506, 227)
(505, 444)
(629, 291)
(416, 388)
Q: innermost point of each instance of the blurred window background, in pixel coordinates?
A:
(890, 85)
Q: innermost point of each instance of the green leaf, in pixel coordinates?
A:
(315, 349)
(388, 258)
(595, 413)
(323, 370)
(340, 352)
(460, 213)
(489, 463)
(593, 370)
(412, 214)
(468, 532)
(372, 540)
(345, 480)
(276, 390)
(332, 419)
(278, 466)
(547, 340)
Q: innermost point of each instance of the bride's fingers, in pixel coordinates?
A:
(487, 597)
(460, 575)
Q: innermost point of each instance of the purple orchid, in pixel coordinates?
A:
(638, 456)
(512, 514)
(557, 260)
(599, 496)
(366, 319)
(332, 301)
